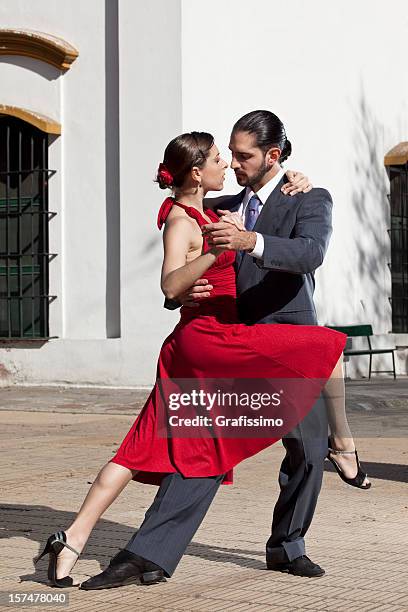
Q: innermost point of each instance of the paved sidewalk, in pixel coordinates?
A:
(53, 441)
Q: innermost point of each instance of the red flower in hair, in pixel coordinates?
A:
(165, 176)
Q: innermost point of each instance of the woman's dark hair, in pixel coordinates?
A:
(183, 153)
(268, 130)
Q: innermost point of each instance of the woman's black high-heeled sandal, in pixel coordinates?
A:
(358, 480)
(55, 543)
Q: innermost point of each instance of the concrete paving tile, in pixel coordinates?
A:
(358, 537)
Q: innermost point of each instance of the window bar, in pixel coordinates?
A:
(397, 244)
(32, 230)
(404, 214)
(394, 186)
(19, 236)
(8, 306)
(402, 245)
(43, 246)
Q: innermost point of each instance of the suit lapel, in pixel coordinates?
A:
(267, 216)
(235, 202)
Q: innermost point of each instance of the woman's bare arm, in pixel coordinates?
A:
(177, 275)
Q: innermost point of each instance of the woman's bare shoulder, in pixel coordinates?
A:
(178, 220)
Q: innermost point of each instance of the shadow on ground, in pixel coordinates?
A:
(384, 471)
(37, 522)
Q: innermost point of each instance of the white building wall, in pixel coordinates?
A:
(150, 115)
(103, 338)
(76, 100)
(334, 74)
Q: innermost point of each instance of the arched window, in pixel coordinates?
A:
(24, 217)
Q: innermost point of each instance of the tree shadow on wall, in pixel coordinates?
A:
(370, 207)
(367, 224)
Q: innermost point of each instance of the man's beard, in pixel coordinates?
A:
(249, 181)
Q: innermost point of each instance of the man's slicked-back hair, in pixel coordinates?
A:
(268, 130)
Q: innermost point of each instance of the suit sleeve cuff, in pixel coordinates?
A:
(258, 249)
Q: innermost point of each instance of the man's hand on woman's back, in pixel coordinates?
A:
(199, 291)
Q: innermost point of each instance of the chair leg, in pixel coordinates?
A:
(369, 369)
(393, 365)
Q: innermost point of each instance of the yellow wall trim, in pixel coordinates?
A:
(39, 45)
(397, 156)
(42, 122)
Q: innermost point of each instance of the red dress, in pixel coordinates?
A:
(210, 343)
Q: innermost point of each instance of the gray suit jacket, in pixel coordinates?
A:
(296, 231)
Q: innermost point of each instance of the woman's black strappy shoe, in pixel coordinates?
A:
(53, 547)
(359, 478)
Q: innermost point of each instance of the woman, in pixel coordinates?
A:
(207, 343)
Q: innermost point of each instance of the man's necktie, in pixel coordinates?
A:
(252, 212)
(251, 215)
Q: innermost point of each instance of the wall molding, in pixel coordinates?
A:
(397, 156)
(40, 121)
(39, 45)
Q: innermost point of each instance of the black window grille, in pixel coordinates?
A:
(399, 246)
(24, 217)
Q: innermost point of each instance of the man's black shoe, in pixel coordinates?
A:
(302, 566)
(125, 568)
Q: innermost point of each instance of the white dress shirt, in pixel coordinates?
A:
(263, 194)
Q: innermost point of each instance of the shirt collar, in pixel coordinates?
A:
(265, 191)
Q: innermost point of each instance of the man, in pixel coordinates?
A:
(285, 242)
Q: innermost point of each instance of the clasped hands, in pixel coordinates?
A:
(229, 234)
